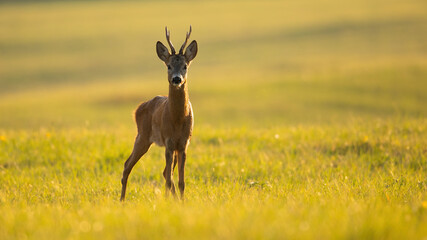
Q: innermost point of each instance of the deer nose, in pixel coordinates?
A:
(176, 80)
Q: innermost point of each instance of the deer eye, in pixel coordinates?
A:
(169, 67)
(185, 67)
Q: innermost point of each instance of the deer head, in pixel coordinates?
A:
(177, 64)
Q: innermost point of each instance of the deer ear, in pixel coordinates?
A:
(191, 51)
(162, 51)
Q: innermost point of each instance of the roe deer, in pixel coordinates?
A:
(166, 121)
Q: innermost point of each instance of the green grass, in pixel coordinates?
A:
(310, 120)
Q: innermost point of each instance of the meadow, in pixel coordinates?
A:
(310, 120)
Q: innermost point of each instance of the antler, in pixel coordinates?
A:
(169, 40)
(185, 43)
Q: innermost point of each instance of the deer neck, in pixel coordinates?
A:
(178, 102)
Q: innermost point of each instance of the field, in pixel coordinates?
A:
(310, 120)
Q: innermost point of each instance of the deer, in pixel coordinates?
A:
(166, 121)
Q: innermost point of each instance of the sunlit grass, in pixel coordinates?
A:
(284, 182)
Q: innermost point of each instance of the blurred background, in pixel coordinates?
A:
(260, 63)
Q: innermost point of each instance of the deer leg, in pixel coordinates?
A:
(167, 173)
(140, 147)
(182, 156)
(175, 161)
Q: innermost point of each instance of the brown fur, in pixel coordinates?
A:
(166, 121)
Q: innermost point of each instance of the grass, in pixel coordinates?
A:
(286, 182)
(310, 120)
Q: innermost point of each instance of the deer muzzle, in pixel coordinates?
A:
(176, 80)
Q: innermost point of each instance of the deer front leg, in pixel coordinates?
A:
(182, 156)
(167, 173)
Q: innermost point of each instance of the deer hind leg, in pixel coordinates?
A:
(168, 172)
(140, 147)
(182, 156)
(175, 161)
